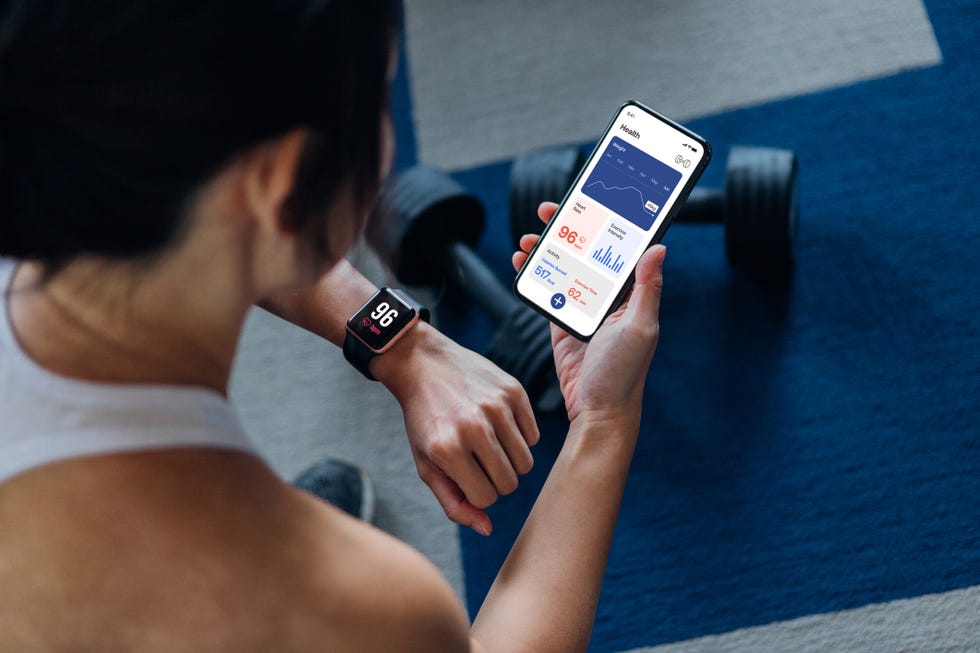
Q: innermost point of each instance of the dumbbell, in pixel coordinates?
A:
(535, 177)
(758, 205)
(426, 225)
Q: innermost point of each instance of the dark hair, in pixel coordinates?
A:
(113, 113)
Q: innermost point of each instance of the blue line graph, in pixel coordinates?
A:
(631, 183)
(639, 192)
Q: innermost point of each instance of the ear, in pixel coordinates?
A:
(269, 179)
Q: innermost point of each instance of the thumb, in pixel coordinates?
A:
(645, 299)
(453, 500)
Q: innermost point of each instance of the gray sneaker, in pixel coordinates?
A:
(345, 485)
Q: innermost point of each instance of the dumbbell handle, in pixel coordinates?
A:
(703, 206)
(522, 344)
(464, 269)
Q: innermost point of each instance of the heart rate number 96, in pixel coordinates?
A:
(571, 236)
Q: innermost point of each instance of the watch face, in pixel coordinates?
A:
(381, 319)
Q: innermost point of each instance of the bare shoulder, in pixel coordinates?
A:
(210, 548)
(368, 591)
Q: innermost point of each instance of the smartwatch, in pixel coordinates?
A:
(377, 325)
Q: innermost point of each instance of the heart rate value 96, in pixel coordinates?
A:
(577, 228)
(570, 236)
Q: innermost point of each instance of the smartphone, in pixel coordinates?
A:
(621, 203)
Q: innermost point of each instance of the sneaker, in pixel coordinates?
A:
(342, 484)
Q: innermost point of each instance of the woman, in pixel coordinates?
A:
(162, 169)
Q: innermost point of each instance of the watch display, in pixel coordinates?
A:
(381, 319)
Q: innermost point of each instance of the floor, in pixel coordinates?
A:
(489, 80)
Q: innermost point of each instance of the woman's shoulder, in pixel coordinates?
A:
(209, 547)
(367, 590)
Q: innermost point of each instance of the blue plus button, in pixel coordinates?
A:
(557, 301)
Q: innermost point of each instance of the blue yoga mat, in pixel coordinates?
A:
(813, 451)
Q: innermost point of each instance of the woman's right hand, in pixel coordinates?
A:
(603, 379)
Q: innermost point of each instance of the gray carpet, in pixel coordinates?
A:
(492, 79)
(939, 623)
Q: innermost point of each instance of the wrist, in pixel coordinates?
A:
(397, 369)
(386, 319)
(600, 426)
(597, 420)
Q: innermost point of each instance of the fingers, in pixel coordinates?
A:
(502, 443)
(479, 475)
(502, 451)
(453, 500)
(527, 243)
(644, 302)
(499, 455)
(456, 457)
(484, 461)
(546, 211)
(518, 259)
(496, 465)
(524, 417)
(513, 440)
(470, 426)
(485, 458)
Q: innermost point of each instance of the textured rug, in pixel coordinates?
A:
(812, 453)
(808, 477)
(491, 79)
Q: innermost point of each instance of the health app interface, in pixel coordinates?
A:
(609, 218)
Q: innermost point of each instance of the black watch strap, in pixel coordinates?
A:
(360, 355)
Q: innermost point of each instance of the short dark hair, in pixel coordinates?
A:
(113, 113)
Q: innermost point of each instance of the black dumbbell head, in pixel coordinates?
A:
(761, 211)
(426, 224)
(419, 213)
(522, 347)
(535, 177)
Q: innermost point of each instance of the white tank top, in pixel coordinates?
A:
(45, 417)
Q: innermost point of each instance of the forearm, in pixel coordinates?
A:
(545, 596)
(324, 307)
(469, 424)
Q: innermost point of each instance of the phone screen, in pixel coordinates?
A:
(620, 204)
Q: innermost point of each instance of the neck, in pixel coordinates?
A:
(171, 324)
